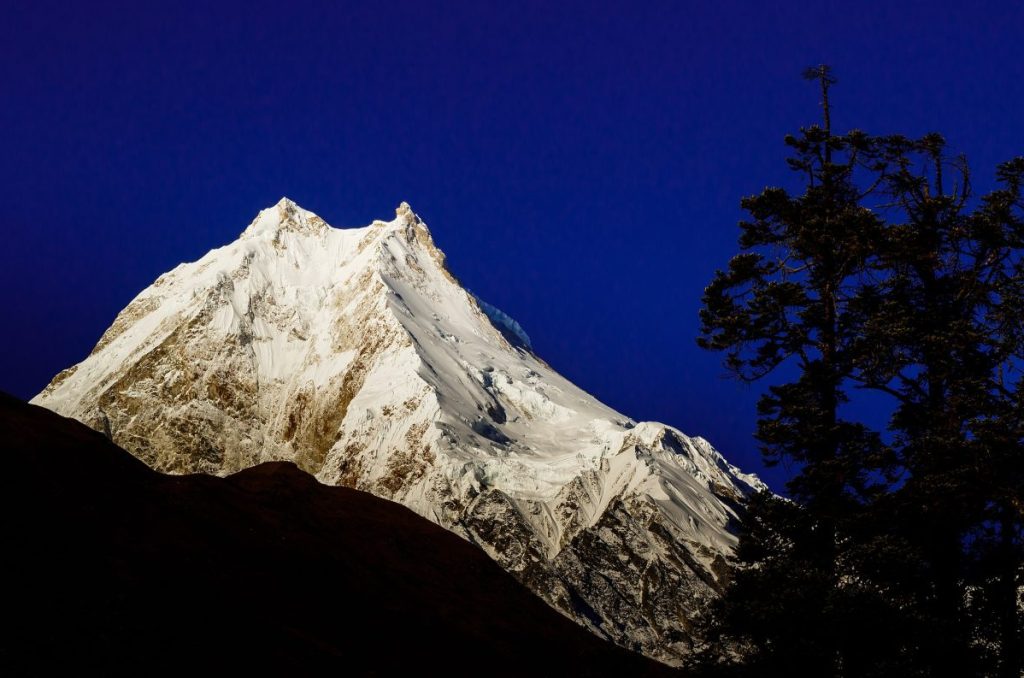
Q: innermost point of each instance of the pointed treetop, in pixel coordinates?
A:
(823, 74)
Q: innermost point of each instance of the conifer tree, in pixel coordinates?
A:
(786, 303)
(899, 554)
(942, 337)
(997, 537)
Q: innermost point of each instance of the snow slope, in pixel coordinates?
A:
(356, 354)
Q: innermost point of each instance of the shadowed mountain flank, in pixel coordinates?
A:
(112, 567)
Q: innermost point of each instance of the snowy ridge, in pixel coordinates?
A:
(356, 354)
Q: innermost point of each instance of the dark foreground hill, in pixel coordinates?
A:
(109, 566)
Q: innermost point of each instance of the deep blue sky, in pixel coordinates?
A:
(580, 164)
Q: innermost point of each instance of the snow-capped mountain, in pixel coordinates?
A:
(356, 354)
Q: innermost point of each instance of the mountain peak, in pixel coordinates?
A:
(355, 354)
(415, 228)
(285, 215)
(405, 213)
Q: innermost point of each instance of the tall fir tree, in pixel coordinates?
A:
(785, 303)
(997, 553)
(897, 554)
(942, 337)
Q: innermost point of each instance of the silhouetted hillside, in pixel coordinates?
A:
(110, 566)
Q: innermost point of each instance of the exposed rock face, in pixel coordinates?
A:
(356, 354)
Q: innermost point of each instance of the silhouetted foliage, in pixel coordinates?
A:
(899, 552)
